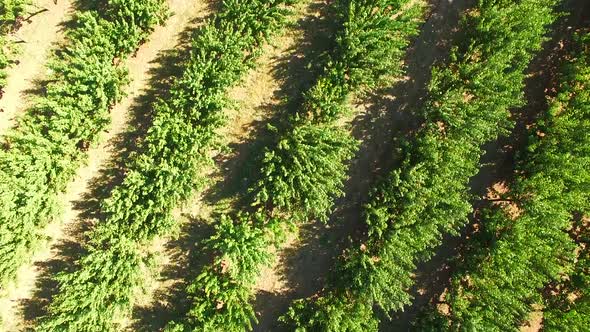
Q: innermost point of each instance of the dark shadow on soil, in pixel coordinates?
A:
(498, 163)
(111, 174)
(388, 116)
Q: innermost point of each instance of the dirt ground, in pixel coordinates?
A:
(35, 40)
(27, 298)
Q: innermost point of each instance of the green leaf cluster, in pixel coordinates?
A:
(304, 169)
(330, 314)
(10, 12)
(428, 195)
(223, 290)
(569, 309)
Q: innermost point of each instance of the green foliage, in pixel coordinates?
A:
(6, 51)
(166, 170)
(428, 195)
(567, 313)
(370, 42)
(40, 156)
(222, 291)
(303, 169)
(10, 12)
(369, 47)
(569, 309)
(311, 157)
(101, 282)
(132, 21)
(331, 314)
(517, 256)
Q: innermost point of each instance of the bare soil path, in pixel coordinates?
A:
(27, 299)
(36, 39)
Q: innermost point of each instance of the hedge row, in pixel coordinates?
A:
(11, 12)
(428, 195)
(303, 168)
(515, 257)
(41, 155)
(166, 169)
(569, 309)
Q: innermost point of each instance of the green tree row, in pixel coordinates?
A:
(11, 11)
(569, 309)
(516, 254)
(165, 170)
(428, 196)
(41, 155)
(303, 168)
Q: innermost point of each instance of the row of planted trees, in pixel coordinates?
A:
(303, 167)
(427, 196)
(541, 238)
(166, 168)
(41, 155)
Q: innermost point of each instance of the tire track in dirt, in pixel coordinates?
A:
(27, 299)
(36, 39)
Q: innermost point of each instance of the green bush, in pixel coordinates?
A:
(515, 257)
(567, 163)
(10, 12)
(165, 170)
